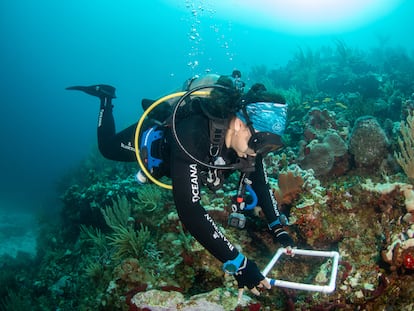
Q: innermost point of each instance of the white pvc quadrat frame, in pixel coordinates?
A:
(303, 286)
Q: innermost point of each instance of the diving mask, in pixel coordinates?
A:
(264, 142)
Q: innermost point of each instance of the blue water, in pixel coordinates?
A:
(145, 49)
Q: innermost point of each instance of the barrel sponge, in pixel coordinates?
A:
(368, 142)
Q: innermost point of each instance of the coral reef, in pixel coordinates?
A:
(120, 246)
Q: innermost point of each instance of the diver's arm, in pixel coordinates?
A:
(186, 187)
(186, 190)
(268, 203)
(266, 198)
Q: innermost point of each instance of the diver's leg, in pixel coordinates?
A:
(106, 126)
(112, 145)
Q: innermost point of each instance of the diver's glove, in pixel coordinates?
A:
(245, 271)
(249, 275)
(282, 236)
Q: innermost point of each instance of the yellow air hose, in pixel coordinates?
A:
(138, 130)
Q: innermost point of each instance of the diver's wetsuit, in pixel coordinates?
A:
(112, 145)
(185, 173)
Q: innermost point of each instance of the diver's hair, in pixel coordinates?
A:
(223, 102)
(259, 93)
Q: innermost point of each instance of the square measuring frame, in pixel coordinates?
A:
(303, 286)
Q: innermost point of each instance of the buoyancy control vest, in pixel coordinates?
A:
(218, 102)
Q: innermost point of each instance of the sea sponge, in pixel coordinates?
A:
(336, 144)
(368, 143)
(319, 157)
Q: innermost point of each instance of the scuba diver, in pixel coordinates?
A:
(200, 142)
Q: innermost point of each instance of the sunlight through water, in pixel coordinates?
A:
(303, 16)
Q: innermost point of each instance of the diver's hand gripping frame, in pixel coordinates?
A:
(303, 286)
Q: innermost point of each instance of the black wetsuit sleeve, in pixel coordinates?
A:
(186, 189)
(265, 196)
(112, 145)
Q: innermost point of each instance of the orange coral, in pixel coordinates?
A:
(289, 187)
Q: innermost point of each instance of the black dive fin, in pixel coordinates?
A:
(99, 90)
